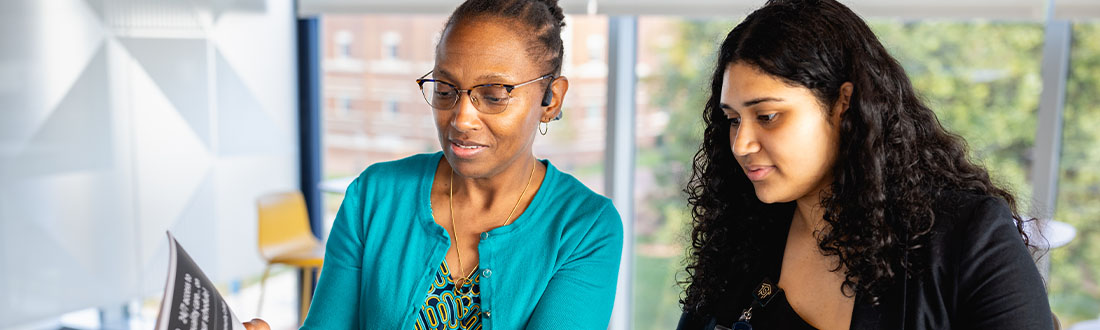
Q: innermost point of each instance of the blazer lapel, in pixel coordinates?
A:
(889, 314)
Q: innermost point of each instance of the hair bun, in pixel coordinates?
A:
(555, 10)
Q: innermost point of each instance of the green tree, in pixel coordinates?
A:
(982, 80)
(680, 83)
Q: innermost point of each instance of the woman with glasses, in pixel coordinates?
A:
(481, 235)
(827, 195)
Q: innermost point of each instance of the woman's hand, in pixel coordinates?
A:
(256, 324)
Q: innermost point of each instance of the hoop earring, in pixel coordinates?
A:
(544, 127)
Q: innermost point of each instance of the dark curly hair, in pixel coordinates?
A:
(894, 158)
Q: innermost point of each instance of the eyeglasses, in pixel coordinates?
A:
(487, 98)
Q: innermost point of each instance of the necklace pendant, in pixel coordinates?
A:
(461, 287)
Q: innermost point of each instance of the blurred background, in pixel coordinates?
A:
(120, 119)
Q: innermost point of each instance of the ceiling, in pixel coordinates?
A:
(924, 9)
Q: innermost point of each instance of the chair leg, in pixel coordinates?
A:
(307, 294)
(263, 282)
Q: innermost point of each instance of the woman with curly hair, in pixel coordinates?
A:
(827, 195)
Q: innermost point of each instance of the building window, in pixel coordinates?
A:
(343, 106)
(343, 44)
(595, 45)
(390, 42)
(594, 111)
(390, 107)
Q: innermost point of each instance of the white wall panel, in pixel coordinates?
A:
(120, 119)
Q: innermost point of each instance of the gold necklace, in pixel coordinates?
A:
(461, 281)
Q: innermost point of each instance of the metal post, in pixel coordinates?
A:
(309, 117)
(309, 139)
(619, 172)
(1048, 136)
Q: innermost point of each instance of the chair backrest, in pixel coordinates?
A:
(283, 223)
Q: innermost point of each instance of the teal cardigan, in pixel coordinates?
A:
(554, 267)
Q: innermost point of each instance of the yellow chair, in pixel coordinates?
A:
(285, 238)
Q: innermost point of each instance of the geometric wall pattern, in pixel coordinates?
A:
(120, 119)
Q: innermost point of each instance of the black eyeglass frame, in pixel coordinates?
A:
(469, 92)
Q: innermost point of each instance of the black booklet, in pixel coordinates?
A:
(190, 300)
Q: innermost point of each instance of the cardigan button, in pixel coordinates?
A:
(488, 314)
(486, 272)
(485, 235)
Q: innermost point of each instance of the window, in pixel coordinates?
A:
(594, 111)
(343, 106)
(390, 107)
(990, 103)
(595, 46)
(675, 57)
(1074, 283)
(375, 131)
(575, 144)
(390, 41)
(343, 44)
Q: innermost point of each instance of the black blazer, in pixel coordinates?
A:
(980, 276)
